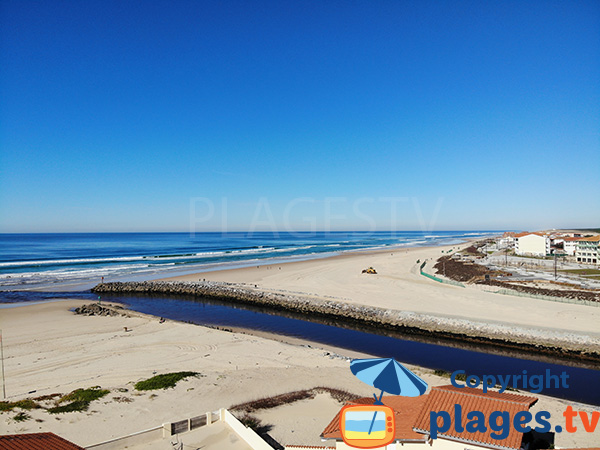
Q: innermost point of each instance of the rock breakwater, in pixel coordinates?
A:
(550, 342)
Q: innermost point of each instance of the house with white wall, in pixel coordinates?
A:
(532, 244)
(570, 245)
(507, 240)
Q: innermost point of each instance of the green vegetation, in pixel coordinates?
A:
(85, 395)
(582, 271)
(21, 417)
(79, 400)
(69, 407)
(22, 404)
(164, 381)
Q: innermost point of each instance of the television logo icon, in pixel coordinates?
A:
(367, 426)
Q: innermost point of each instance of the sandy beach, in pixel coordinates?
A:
(399, 286)
(49, 349)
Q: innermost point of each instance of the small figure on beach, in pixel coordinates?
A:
(162, 320)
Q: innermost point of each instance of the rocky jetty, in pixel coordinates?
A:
(556, 343)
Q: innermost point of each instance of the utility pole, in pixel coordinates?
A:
(555, 275)
(2, 358)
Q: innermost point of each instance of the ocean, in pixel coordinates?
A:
(76, 261)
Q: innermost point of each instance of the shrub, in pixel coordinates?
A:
(21, 417)
(70, 407)
(22, 404)
(85, 395)
(164, 381)
(79, 400)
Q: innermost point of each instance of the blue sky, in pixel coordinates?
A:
(161, 116)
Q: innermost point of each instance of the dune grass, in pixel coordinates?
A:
(21, 417)
(163, 381)
(78, 400)
(21, 404)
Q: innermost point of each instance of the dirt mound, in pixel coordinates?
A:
(476, 273)
(462, 271)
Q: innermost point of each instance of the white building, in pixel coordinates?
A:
(507, 240)
(570, 245)
(532, 244)
(588, 250)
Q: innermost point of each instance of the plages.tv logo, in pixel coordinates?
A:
(467, 410)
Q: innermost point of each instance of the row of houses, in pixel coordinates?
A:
(582, 249)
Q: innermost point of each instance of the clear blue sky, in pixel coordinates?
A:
(144, 115)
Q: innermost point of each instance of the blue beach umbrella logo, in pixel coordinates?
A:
(386, 375)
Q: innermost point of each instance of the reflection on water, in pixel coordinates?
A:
(427, 351)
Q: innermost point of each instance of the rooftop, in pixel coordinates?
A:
(36, 441)
(590, 238)
(412, 414)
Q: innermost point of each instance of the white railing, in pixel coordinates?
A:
(169, 429)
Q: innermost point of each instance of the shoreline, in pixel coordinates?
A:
(87, 283)
(495, 336)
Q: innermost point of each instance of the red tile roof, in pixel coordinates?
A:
(526, 233)
(406, 410)
(443, 398)
(412, 414)
(590, 238)
(36, 441)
